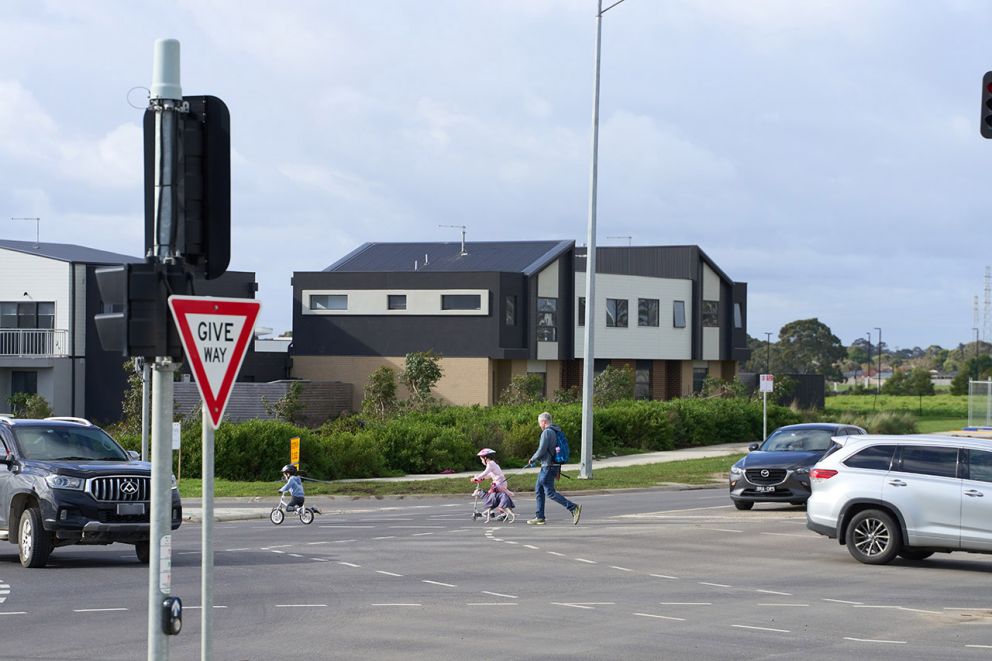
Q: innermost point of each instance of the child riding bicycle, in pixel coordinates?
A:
(499, 499)
(294, 485)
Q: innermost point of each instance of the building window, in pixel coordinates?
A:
(547, 319)
(25, 382)
(642, 379)
(699, 375)
(678, 314)
(711, 314)
(510, 318)
(647, 312)
(328, 301)
(396, 301)
(27, 315)
(738, 316)
(461, 302)
(582, 310)
(616, 312)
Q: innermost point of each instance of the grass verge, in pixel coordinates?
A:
(710, 470)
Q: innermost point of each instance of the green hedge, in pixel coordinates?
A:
(449, 438)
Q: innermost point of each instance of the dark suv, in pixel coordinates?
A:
(65, 481)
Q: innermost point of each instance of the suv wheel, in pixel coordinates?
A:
(873, 537)
(743, 504)
(141, 550)
(33, 544)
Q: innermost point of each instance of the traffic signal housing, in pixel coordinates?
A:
(986, 124)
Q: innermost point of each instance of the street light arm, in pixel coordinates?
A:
(610, 7)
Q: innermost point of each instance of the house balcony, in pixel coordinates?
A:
(34, 342)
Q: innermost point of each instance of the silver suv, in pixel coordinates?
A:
(910, 496)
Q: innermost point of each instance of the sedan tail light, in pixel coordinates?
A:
(822, 473)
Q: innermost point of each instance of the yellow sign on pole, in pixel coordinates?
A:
(294, 451)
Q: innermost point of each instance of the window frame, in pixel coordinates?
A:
(546, 329)
(392, 299)
(655, 308)
(678, 314)
(617, 312)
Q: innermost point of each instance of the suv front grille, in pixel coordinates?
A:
(773, 476)
(121, 488)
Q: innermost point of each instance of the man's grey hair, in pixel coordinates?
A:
(545, 416)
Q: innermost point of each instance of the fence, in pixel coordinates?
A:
(35, 342)
(980, 403)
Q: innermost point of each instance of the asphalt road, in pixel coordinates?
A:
(645, 575)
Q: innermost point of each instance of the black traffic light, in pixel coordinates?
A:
(136, 320)
(986, 125)
(203, 185)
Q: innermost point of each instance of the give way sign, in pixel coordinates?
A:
(215, 333)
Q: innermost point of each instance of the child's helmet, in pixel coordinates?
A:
(486, 452)
(289, 468)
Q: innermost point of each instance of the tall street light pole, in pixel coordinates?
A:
(768, 352)
(976, 342)
(588, 353)
(878, 377)
(868, 361)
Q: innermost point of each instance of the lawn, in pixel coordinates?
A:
(935, 413)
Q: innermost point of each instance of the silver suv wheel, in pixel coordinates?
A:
(873, 537)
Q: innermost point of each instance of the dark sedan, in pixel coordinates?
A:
(777, 471)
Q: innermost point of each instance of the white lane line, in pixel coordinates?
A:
(661, 617)
(4, 591)
(980, 647)
(233, 550)
(278, 546)
(446, 585)
(339, 525)
(3, 599)
(620, 568)
(781, 594)
(499, 594)
(315, 543)
(387, 573)
(493, 603)
(531, 546)
(295, 555)
(842, 601)
(789, 605)
(721, 529)
(788, 534)
(320, 559)
(664, 576)
(588, 562)
(277, 551)
(744, 626)
(456, 505)
(413, 605)
(586, 605)
(560, 555)
(872, 640)
(385, 537)
(342, 541)
(899, 608)
(416, 527)
(186, 553)
(421, 534)
(512, 542)
(685, 603)
(197, 608)
(348, 564)
(13, 612)
(97, 610)
(715, 585)
(301, 605)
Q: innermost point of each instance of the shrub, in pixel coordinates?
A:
(613, 384)
(379, 397)
(523, 389)
(421, 372)
(25, 405)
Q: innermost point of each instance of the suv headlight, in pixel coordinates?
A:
(736, 470)
(65, 482)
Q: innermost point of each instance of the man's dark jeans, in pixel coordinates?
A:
(546, 486)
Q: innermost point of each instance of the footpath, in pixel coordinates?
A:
(238, 509)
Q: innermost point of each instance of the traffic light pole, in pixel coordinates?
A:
(207, 541)
(160, 542)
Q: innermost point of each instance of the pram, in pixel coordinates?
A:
(496, 505)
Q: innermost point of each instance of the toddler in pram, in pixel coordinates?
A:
(497, 502)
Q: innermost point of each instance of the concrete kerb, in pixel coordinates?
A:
(244, 508)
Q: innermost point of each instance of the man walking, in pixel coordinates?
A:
(545, 485)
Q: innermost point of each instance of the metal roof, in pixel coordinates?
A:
(510, 256)
(67, 252)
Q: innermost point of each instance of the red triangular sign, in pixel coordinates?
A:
(215, 333)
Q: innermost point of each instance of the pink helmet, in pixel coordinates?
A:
(485, 452)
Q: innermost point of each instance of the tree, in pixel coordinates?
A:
(421, 372)
(974, 369)
(613, 385)
(379, 398)
(523, 389)
(29, 405)
(288, 408)
(807, 346)
(131, 403)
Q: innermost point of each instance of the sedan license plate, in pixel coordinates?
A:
(764, 489)
(126, 509)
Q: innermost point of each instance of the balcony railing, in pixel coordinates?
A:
(34, 342)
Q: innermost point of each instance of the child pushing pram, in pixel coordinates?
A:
(498, 501)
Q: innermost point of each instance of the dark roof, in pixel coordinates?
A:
(67, 252)
(526, 257)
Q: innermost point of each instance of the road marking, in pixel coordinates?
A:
(301, 605)
(789, 534)
(295, 555)
(232, 550)
(511, 542)
(685, 603)
(451, 505)
(385, 537)
(872, 640)
(348, 564)
(620, 568)
(421, 534)
(664, 576)
(97, 610)
(13, 612)
(387, 573)
(4, 591)
(315, 543)
(586, 605)
(661, 617)
(338, 525)
(782, 594)
(196, 608)
(560, 555)
(899, 608)
(446, 585)
(499, 594)
(531, 546)
(320, 559)
(277, 551)
(981, 647)
(493, 603)
(342, 541)
(182, 553)
(789, 605)
(415, 605)
(3, 600)
(841, 601)
(278, 546)
(744, 626)
(716, 585)
(588, 562)
(721, 529)
(417, 527)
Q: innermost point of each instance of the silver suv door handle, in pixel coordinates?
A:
(897, 483)
(974, 493)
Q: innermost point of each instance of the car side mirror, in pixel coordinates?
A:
(7, 460)
(753, 447)
(133, 455)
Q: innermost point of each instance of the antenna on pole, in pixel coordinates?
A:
(462, 228)
(37, 228)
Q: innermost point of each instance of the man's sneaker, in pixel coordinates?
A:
(576, 513)
(536, 522)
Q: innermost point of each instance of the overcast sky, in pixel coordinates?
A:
(826, 152)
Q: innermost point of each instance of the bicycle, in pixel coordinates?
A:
(278, 513)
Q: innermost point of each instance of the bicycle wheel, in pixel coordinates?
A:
(306, 515)
(276, 515)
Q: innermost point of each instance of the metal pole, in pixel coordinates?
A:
(764, 416)
(160, 542)
(588, 345)
(878, 377)
(988, 403)
(207, 542)
(146, 374)
(768, 352)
